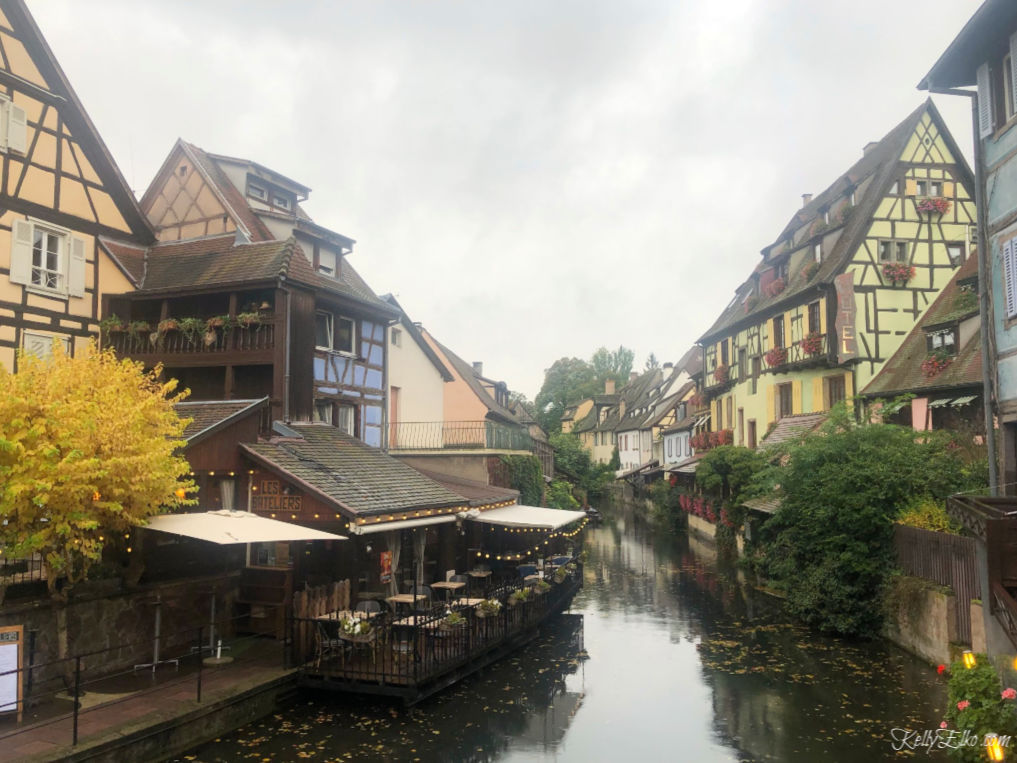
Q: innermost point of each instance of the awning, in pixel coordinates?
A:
(688, 466)
(939, 403)
(527, 516)
(401, 524)
(963, 401)
(228, 527)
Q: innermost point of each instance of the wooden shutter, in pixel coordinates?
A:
(1013, 70)
(984, 101)
(76, 267)
(21, 252)
(796, 397)
(1009, 277)
(17, 129)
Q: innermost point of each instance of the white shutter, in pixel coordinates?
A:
(21, 252)
(1013, 71)
(984, 101)
(17, 129)
(76, 268)
(1010, 276)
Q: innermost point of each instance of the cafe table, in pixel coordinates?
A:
(448, 586)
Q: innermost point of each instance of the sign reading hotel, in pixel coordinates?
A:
(847, 342)
(270, 497)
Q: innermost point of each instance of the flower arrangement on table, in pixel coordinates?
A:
(898, 273)
(776, 357)
(934, 205)
(488, 608)
(353, 627)
(936, 362)
(812, 344)
(721, 373)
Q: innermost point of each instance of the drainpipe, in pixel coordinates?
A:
(286, 361)
(984, 303)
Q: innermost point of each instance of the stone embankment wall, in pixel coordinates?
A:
(922, 619)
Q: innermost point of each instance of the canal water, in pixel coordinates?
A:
(665, 655)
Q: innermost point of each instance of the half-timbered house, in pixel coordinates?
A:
(846, 280)
(63, 198)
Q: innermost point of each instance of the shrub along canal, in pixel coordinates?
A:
(665, 656)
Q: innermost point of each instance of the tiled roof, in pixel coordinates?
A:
(209, 415)
(477, 493)
(356, 477)
(216, 261)
(880, 165)
(129, 257)
(765, 505)
(793, 427)
(903, 371)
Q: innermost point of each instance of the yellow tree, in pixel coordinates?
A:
(89, 448)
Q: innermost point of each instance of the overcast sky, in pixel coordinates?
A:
(531, 179)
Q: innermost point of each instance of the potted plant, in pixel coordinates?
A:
(775, 287)
(355, 629)
(519, 596)
(136, 328)
(934, 205)
(776, 357)
(488, 608)
(168, 324)
(721, 373)
(812, 344)
(936, 362)
(898, 273)
(191, 328)
(452, 621)
(249, 319)
(541, 587)
(112, 325)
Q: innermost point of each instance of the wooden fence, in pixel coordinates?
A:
(948, 560)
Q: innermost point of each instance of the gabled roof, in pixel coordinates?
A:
(793, 427)
(986, 36)
(263, 171)
(209, 416)
(77, 119)
(638, 402)
(465, 370)
(880, 165)
(130, 258)
(903, 373)
(348, 473)
(411, 328)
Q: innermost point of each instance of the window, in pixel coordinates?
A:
(327, 263)
(890, 251)
(283, 202)
(835, 390)
(778, 331)
(397, 337)
(324, 411)
(752, 434)
(333, 332)
(780, 270)
(851, 198)
(345, 420)
(814, 317)
(257, 192)
(956, 253)
(784, 401)
(826, 215)
(723, 352)
(669, 445)
(743, 368)
(817, 252)
(935, 188)
(47, 259)
(944, 339)
(741, 426)
(902, 250)
(922, 188)
(997, 99)
(41, 345)
(338, 415)
(756, 369)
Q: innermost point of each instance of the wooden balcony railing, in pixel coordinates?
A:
(256, 337)
(803, 351)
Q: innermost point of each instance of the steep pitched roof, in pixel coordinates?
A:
(879, 166)
(77, 119)
(465, 370)
(986, 35)
(348, 473)
(218, 261)
(209, 416)
(638, 398)
(792, 427)
(411, 328)
(903, 371)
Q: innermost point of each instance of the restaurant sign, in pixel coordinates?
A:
(272, 497)
(847, 342)
(386, 566)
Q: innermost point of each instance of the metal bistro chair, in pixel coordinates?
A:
(423, 606)
(325, 645)
(368, 605)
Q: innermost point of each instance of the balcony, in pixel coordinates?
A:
(254, 343)
(458, 435)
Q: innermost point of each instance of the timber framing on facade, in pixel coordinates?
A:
(846, 280)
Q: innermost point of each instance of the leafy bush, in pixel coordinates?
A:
(928, 514)
(526, 476)
(559, 496)
(979, 706)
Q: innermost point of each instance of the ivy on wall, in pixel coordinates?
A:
(526, 476)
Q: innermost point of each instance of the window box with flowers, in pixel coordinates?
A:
(936, 362)
(934, 205)
(697, 401)
(898, 273)
(776, 357)
(812, 344)
(775, 287)
(721, 374)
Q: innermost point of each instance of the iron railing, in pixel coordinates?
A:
(794, 354)
(458, 435)
(404, 651)
(238, 338)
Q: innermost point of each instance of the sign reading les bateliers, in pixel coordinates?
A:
(270, 497)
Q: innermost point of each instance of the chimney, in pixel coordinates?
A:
(608, 386)
(806, 198)
(633, 376)
(869, 146)
(478, 368)
(668, 366)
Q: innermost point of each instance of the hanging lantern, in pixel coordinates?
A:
(969, 659)
(994, 747)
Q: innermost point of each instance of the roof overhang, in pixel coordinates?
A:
(226, 528)
(986, 34)
(402, 524)
(518, 515)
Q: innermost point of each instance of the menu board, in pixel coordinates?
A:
(11, 642)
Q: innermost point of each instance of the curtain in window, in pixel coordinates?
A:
(393, 539)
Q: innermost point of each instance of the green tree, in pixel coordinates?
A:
(559, 495)
(89, 449)
(830, 544)
(566, 382)
(615, 365)
(652, 362)
(726, 471)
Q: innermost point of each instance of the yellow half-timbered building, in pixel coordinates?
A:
(62, 201)
(844, 283)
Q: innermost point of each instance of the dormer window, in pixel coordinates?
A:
(327, 263)
(780, 270)
(257, 192)
(826, 216)
(944, 340)
(817, 252)
(283, 202)
(851, 199)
